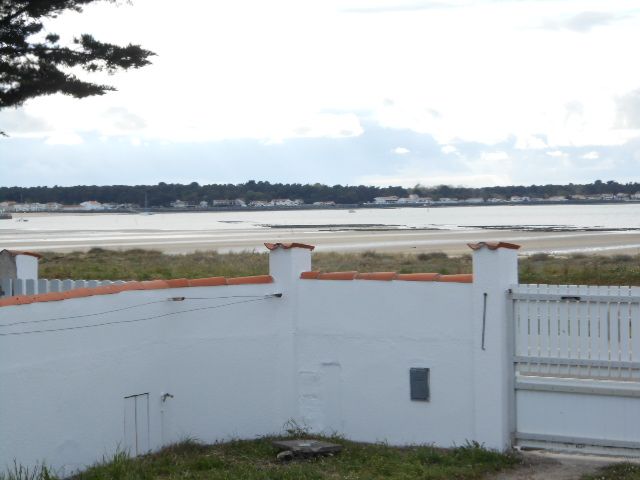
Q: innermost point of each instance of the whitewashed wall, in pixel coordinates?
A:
(62, 394)
(332, 355)
(357, 341)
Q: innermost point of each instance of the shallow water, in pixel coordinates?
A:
(617, 216)
(550, 228)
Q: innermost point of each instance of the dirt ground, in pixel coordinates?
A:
(552, 466)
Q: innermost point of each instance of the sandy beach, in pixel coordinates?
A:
(183, 233)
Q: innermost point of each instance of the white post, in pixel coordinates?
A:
(495, 269)
(286, 263)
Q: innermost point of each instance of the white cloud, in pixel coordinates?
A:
(268, 71)
(557, 154)
(448, 149)
(591, 156)
(64, 138)
(494, 156)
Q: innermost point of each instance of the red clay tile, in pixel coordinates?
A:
(8, 302)
(492, 245)
(154, 284)
(178, 283)
(49, 297)
(132, 286)
(384, 276)
(19, 252)
(80, 292)
(418, 277)
(250, 280)
(207, 282)
(309, 275)
(337, 276)
(459, 278)
(286, 246)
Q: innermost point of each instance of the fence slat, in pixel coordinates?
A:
(577, 331)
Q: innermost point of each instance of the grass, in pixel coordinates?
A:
(256, 460)
(622, 471)
(141, 264)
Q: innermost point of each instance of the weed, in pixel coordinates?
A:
(140, 264)
(621, 471)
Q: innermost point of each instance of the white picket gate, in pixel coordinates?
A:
(22, 286)
(577, 367)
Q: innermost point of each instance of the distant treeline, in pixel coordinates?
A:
(163, 194)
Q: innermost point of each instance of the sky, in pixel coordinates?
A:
(378, 92)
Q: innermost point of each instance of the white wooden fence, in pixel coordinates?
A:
(577, 366)
(21, 286)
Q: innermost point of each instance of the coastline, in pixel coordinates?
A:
(607, 230)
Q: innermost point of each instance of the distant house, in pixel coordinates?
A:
(474, 200)
(328, 203)
(259, 203)
(622, 196)
(285, 202)
(557, 198)
(91, 205)
(179, 204)
(54, 206)
(385, 200)
(636, 196)
(228, 203)
(447, 200)
(414, 199)
(518, 199)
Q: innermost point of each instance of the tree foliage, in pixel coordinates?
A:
(163, 194)
(34, 62)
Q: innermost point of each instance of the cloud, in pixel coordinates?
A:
(557, 154)
(448, 149)
(583, 22)
(494, 156)
(124, 120)
(401, 150)
(531, 142)
(64, 138)
(591, 155)
(628, 110)
(17, 122)
(406, 7)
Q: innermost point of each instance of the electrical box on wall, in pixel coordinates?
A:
(419, 381)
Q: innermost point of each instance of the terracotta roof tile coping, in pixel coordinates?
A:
(492, 245)
(146, 285)
(258, 279)
(388, 276)
(418, 277)
(384, 276)
(459, 278)
(287, 246)
(19, 252)
(337, 276)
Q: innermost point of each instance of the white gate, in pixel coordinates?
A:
(577, 367)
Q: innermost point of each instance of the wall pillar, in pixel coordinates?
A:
(286, 262)
(495, 269)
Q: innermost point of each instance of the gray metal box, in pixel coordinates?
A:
(419, 381)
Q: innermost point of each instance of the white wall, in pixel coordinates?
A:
(332, 355)
(357, 341)
(63, 393)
